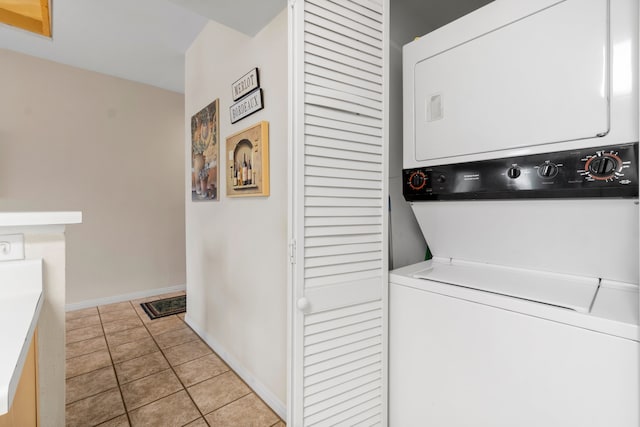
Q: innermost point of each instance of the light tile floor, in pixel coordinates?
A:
(124, 369)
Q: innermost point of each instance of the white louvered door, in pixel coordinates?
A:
(338, 147)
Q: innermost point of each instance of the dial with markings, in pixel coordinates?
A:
(603, 166)
(547, 170)
(417, 180)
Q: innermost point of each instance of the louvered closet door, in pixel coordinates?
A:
(338, 56)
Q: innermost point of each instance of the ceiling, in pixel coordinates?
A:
(246, 16)
(145, 40)
(139, 40)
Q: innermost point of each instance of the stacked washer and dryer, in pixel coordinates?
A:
(521, 166)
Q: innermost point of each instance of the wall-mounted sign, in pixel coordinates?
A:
(245, 84)
(246, 106)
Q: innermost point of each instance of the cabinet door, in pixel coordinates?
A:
(24, 410)
(338, 143)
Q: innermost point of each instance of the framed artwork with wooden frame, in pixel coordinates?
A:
(248, 162)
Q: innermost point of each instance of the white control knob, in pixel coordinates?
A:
(302, 304)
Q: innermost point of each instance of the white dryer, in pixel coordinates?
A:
(521, 166)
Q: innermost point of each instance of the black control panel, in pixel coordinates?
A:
(610, 171)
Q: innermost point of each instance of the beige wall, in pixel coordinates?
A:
(237, 248)
(77, 140)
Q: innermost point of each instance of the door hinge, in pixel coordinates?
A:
(292, 251)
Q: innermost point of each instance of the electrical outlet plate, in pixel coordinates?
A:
(11, 247)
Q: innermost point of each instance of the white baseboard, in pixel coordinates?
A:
(260, 389)
(125, 297)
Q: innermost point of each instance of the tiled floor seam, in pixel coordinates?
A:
(141, 378)
(258, 396)
(81, 317)
(184, 388)
(113, 365)
(110, 419)
(160, 398)
(146, 376)
(148, 327)
(186, 342)
(91, 395)
(120, 330)
(174, 371)
(234, 400)
(176, 345)
(206, 379)
(86, 339)
(80, 327)
(82, 355)
(228, 403)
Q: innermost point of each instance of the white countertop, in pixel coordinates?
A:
(21, 298)
(19, 219)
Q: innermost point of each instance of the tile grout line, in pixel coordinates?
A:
(92, 395)
(174, 371)
(186, 327)
(80, 317)
(101, 325)
(113, 365)
(86, 354)
(84, 339)
(81, 327)
(146, 376)
(251, 390)
(162, 351)
(207, 379)
(234, 400)
(119, 320)
(89, 372)
(171, 366)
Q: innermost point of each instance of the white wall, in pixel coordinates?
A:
(237, 248)
(407, 243)
(410, 19)
(48, 244)
(72, 139)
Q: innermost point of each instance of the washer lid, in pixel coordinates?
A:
(594, 237)
(562, 290)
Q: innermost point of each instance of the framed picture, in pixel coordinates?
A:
(245, 84)
(248, 162)
(248, 105)
(205, 150)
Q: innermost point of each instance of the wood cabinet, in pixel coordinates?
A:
(24, 409)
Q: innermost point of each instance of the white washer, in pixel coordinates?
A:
(522, 171)
(464, 357)
(528, 315)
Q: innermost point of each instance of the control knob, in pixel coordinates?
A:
(417, 180)
(513, 172)
(547, 170)
(603, 167)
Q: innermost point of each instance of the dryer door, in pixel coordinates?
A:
(541, 79)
